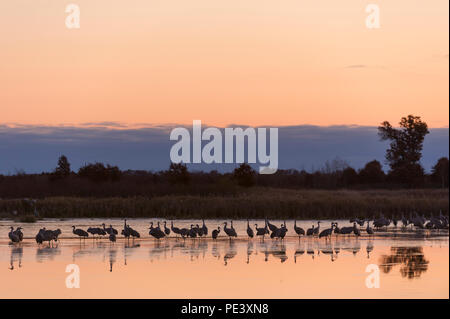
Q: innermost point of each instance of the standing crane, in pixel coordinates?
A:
(215, 233)
(204, 228)
(13, 236)
(327, 232)
(175, 230)
(229, 231)
(79, 232)
(166, 230)
(249, 230)
(298, 230)
(261, 231)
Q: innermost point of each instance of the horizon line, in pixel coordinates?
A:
(117, 125)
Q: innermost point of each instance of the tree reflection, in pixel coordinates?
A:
(411, 259)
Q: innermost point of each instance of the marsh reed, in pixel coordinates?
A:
(256, 202)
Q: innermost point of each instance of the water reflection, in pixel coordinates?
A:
(128, 249)
(230, 252)
(412, 261)
(327, 249)
(249, 250)
(369, 248)
(16, 257)
(278, 250)
(112, 258)
(215, 250)
(47, 253)
(299, 251)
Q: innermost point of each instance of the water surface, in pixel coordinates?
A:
(412, 264)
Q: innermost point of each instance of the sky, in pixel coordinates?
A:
(35, 149)
(135, 68)
(252, 62)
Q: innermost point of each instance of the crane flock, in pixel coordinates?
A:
(415, 221)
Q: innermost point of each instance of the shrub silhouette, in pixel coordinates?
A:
(178, 174)
(244, 175)
(98, 172)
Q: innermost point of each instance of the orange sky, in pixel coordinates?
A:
(253, 62)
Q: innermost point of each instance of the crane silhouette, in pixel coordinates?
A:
(327, 232)
(13, 236)
(249, 230)
(166, 230)
(80, 233)
(215, 233)
(229, 231)
(204, 228)
(298, 230)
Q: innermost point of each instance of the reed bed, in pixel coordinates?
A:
(249, 203)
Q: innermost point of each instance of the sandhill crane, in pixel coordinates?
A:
(229, 231)
(48, 235)
(282, 232)
(360, 222)
(166, 230)
(394, 221)
(156, 232)
(93, 231)
(184, 232)
(369, 229)
(380, 222)
(231, 226)
(40, 236)
(272, 227)
(310, 231)
(175, 230)
(249, 230)
(346, 230)
(215, 233)
(336, 230)
(192, 232)
(112, 236)
(110, 230)
(417, 221)
(327, 232)
(56, 234)
(126, 230)
(404, 221)
(19, 233)
(14, 237)
(316, 230)
(198, 230)
(79, 232)
(298, 230)
(101, 232)
(204, 228)
(134, 233)
(356, 230)
(275, 233)
(279, 232)
(261, 231)
(443, 219)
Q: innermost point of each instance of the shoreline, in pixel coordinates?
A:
(255, 203)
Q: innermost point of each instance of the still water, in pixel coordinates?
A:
(412, 264)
